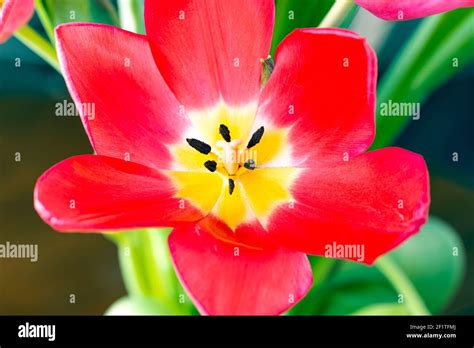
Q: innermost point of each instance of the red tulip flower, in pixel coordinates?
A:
(410, 9)
(13, 15)
(251, 180)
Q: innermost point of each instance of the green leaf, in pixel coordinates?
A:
(66, 11)
(103, 11)
(347, 21)
(35, 42)
(383, 309)
(440, 47)
(132, 15)
(292, 14)
(138, 306)
(433, 260)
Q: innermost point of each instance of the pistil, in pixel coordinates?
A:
(229, 155)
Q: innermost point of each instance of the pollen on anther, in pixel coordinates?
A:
(256, 137)
(211, 165)
(250, 164)
(200, 146)
(224, 131)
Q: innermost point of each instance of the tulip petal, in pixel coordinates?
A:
(410, 9)
(376, 200)
(224, 279)
(210, 50)
(112, 71)
(13, 15)
(104, 193)
(323, 91)
(250, 234)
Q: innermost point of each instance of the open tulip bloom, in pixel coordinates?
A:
(251, 178)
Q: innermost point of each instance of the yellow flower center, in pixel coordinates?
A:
(230, 171)
(229, 155)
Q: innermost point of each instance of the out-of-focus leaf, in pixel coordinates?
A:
(65, 11)
(138, 306)
(383, 309)
(443, 132)
(96, 11)
(347, 21)
(433, 260)
(292, 14)
(132, 15)
(440, 47)
(104, 11)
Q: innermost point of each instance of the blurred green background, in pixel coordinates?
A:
(86, 266)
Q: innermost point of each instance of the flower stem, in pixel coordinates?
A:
(403, 285)
(336, 14)
(146, 267)
(35, 42)
(45, 20)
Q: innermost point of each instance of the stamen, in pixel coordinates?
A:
(199, 145)
(225, 132)
(256, 137)
(211, 165)
(231, 186)
(250, 164)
